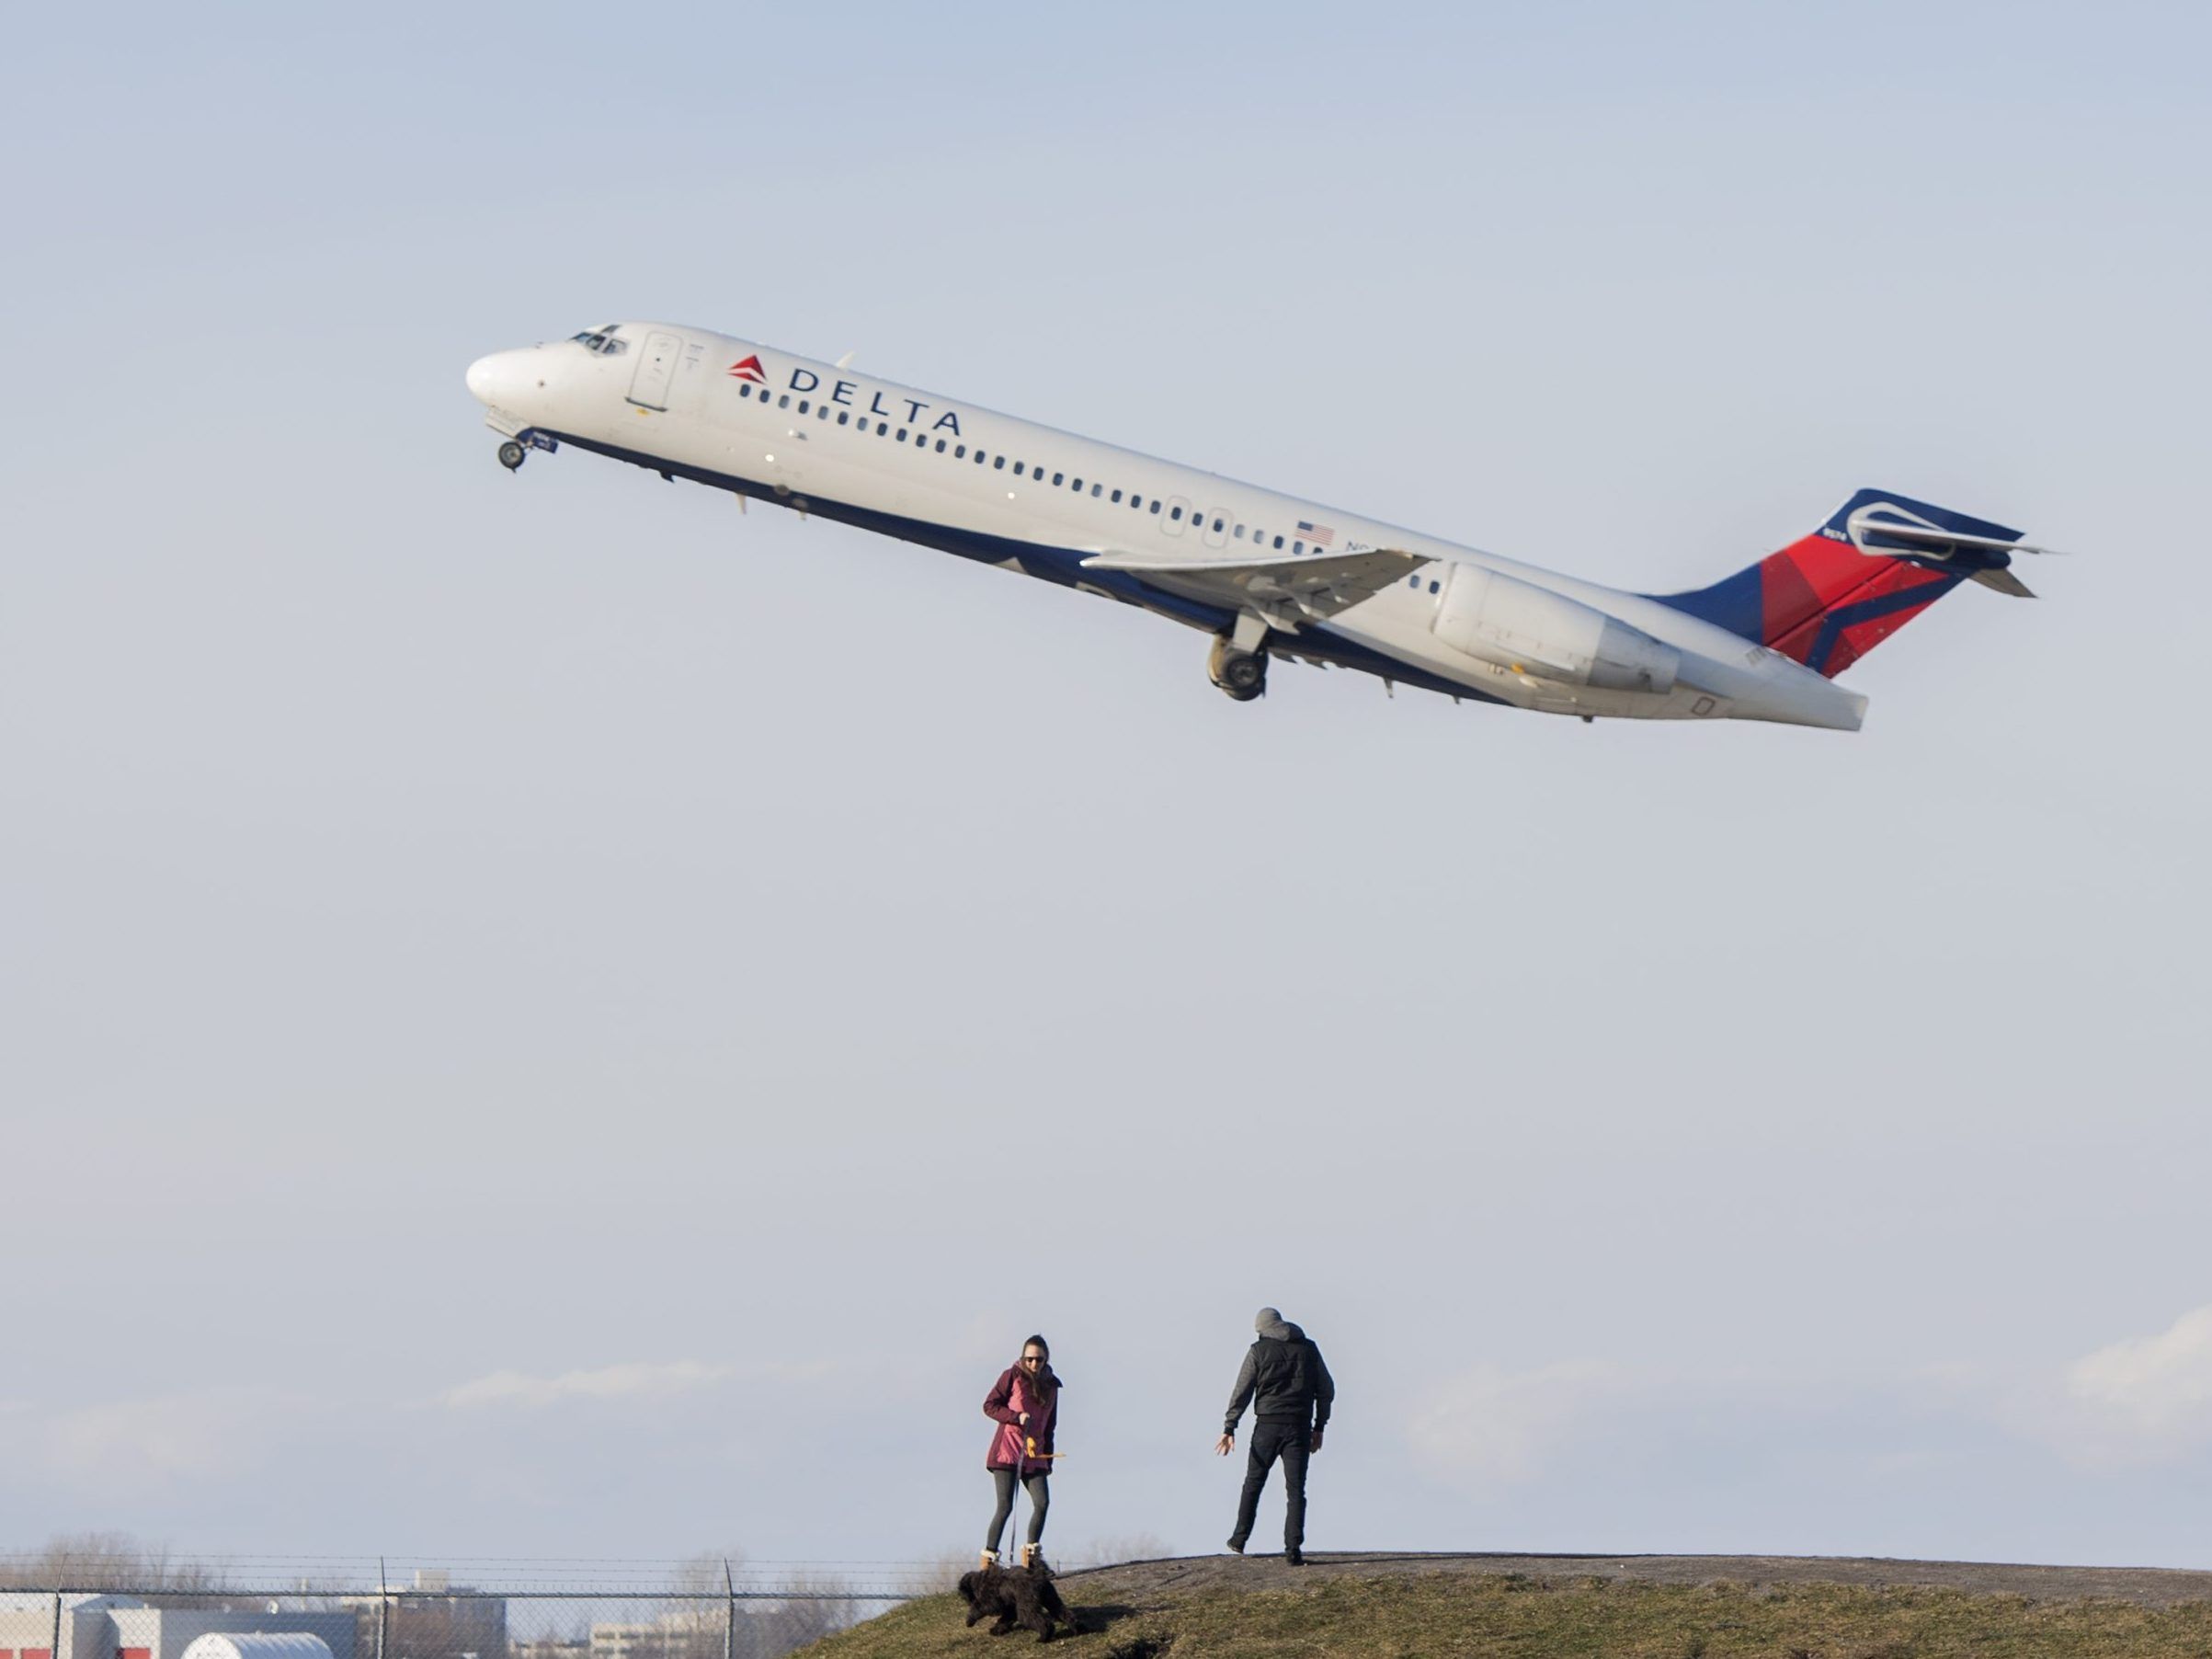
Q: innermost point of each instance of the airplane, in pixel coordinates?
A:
(1266, 575)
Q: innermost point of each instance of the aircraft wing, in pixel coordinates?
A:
(1318, 585)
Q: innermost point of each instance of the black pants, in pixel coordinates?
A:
(1040, 1500)
(1291, 1439)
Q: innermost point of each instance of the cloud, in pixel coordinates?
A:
(165, 1436)
(2140, 1401)
(1489, 1428)
(2135, 1400)
(636, 1381)
(1499, 1427)
(2162, 1384)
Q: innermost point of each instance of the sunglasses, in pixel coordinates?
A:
(1033, 1360)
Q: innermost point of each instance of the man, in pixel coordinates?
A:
(1290, 1392)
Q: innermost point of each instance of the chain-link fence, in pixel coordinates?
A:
(698, 1609)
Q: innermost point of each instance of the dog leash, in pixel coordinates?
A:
(1025, 1449)
(1013, 1510)
(1028, 1454)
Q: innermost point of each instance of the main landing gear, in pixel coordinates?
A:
(512, 455)
(1240, 673)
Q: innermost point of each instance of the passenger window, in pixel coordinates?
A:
(960, 452)
(784, 402)
(1278, 543)
(1413, 581)
(744, 388)
(1017, 469)
(1098, 489)
(802, 406)
(1058, 479)
(1433, 587)
(821, 411)
(1217, 524)
(1136, 503)
(1297, 546)
(882, 426)
(1240, 532)
(1179, 511)
(941, 446)
(1075, 485)
(1117, 495)
(999, 465)
(1177, 515)
(843, 418)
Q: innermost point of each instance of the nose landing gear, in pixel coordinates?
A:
(516, 449)
(1241, 674)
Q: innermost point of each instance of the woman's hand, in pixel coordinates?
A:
(1024, 1419)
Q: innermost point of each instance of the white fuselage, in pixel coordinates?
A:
(931, 469)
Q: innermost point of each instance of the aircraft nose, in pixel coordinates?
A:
(508, 379)
(490, 376)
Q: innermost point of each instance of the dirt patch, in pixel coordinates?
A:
(1388, 1606)
(1142, 1581)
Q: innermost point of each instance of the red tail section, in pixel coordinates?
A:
(1831, 597)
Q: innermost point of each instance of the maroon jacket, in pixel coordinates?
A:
(1010, 1396)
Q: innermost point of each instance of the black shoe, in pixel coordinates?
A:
(1294, 1557)
(1236, 1546)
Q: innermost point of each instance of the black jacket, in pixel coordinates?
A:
(1283, 1377)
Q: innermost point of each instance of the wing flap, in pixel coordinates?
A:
(1319, 586)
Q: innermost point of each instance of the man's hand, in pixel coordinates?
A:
(1314, 1445)
(1224, 1445)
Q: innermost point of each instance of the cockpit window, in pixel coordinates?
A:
(601, 341)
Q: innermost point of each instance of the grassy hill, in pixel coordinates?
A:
(1426, 1608)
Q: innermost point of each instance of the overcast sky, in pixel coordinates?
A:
(539, 1015)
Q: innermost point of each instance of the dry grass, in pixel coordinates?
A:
(1441, 1616)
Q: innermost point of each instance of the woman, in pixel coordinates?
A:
(1025, 1403)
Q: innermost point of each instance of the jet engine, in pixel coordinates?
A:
(1515, 625)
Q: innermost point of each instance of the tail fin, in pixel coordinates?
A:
(1879, 561)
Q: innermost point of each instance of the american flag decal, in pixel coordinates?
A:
(1320, 535)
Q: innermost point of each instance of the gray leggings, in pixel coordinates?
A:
(1040, 1500)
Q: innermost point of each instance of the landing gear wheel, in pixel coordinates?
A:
(1241, 674)
(1244, 675)
(511, 455)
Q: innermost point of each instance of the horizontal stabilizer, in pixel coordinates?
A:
(1873, 529)
(2005, 581)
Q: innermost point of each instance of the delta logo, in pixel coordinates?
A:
(846, 394)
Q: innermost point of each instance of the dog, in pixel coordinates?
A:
(1017, 1595)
